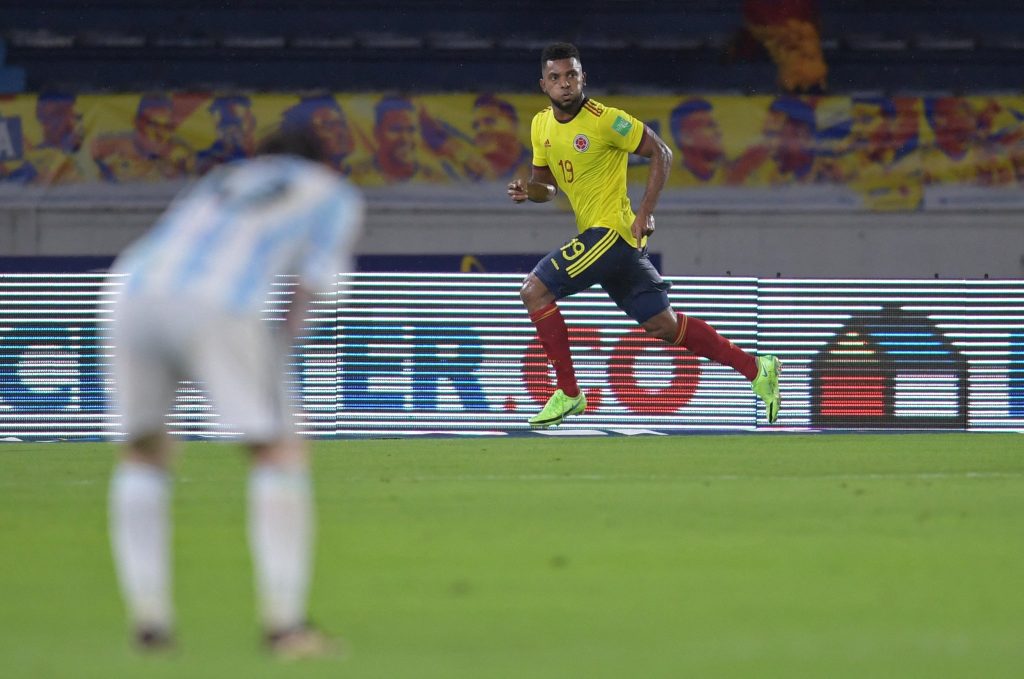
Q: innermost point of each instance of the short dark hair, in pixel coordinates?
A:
(686, 109)
(490, 100)
(293, 140)
(301, 113)
(155, 100)
(388, 104)
(224, 108)
(795, 109)
(558, 50)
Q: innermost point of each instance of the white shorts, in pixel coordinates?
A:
(240, 361)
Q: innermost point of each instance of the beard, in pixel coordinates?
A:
(567, 106)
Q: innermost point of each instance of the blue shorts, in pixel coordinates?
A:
(600, 255)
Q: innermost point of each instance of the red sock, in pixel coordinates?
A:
(554, 336)
(703, 340)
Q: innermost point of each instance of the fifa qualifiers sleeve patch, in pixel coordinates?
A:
(622, 125)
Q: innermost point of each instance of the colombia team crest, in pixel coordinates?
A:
(581, 143)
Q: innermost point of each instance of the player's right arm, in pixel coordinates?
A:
(541, 186)
(539, 189)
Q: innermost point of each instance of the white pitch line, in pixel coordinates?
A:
(924, 476)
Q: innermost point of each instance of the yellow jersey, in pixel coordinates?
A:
(974, 168)
(588, 156)
(884, 185)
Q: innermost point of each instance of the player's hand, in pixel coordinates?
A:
(643, 225)
(517, 190)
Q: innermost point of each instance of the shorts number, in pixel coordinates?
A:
(572, 249)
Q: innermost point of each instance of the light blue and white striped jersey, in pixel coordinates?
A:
(225, 240)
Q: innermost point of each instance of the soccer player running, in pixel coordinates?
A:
(190, 308)
(581, 147)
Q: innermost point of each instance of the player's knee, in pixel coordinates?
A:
(658, 333)
(659, 330)
(531, 291)
(285, 452)
(525, 291)
(153, 449)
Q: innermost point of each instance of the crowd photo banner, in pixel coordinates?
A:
(861, 153)
(457, 354)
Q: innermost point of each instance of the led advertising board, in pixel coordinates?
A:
(391, 353)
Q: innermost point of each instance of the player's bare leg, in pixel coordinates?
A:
(663, 326)
(703, 340)
(281, 526)
(554, 337)
(535, 294)
(140, 537)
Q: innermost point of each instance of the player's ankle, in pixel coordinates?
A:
(154, 637)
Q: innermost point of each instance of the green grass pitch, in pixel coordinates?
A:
(684, 556)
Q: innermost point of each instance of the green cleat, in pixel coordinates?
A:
(766, 385)
(557, 408)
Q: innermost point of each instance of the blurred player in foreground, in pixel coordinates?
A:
(190, 308)
(581, 147)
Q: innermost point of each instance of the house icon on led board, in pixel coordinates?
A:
(890, 369)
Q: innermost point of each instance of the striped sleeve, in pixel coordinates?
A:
(335, 226)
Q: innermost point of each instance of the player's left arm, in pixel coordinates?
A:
(334, 226)
(651, 146)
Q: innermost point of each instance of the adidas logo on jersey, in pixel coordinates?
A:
(547, 143)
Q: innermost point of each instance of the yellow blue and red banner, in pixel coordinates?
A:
(886, 153)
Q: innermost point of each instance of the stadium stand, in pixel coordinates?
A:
(415, 46)
(12, 78)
